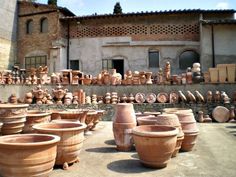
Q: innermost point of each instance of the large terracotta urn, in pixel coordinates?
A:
(72, 137)
(155, 144)
(124, 121)
(27, 155)
(34, 117)
(172, 120)
(13, 117)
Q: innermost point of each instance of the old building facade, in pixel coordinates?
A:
(53, 36)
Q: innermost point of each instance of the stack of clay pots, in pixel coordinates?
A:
(197, 76)
(94, 99)
(108, 98)
(114, 98)
(136, 80)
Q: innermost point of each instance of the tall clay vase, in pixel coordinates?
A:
(13, 117)
(155, 144)
(72, 137)
(27, 155)
(35, 117)
(123, 122)
(190, 129)
(172, 120)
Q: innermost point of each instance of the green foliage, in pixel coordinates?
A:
(52, 2)
(117, 9)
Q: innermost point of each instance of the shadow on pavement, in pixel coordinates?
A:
(135, 156)
(110, 142)
(102, 150)
(231, 126)
(128, 166)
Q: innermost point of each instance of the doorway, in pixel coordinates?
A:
(119, 66)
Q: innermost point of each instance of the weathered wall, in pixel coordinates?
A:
(8, 27)
(224, 45)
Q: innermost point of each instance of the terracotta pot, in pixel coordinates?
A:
(214, 75)
(155, 144)
(97, 118)
(222, 73)
(66, 121)
(174, 110)
(172, 120)
(55, 114)
(189, 141)
(188, 122)
(151, 113)
(146, 120)
(35, 117)
(13, 117)
(27, 154)
(231, 72)
(78, 114)
(72, 137)
(221, 114)
(91, 116)
(123, 122)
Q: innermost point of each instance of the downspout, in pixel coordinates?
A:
(213, 45)
(68, 44)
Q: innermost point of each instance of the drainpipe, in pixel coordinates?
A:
(213, 45)
(68, 44)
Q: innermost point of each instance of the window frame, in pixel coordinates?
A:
(153, 51)
(43, 21)
(29, 26)
(35, 61)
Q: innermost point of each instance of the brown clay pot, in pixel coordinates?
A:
(173, 110)
(189, 141)
(66, 121)
(151, 113)
(146, 120)
(78, 114)
(27, 154)
(188, 122)
(97, 118)
(55, 114)
(91, 116)
(172, 120)
(72, 137)
(155, 144)
(34, 117)
(123, 122)
(13, 117)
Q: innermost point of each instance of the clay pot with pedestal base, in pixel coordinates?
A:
(123, 122)
(27, 154)
(155, 144)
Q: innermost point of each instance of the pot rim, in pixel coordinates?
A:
(168, 115)
(40, 143)
(81, 126)
(191, 132)
(12, 106)
(172, 132)
(36, 113)
(70, 112)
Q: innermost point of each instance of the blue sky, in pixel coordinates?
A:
(89, 7)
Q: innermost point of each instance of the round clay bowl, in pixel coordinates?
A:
(221, 114)
(34, 117)
(72, 137)
(189, 141)
(27, 154)
(55, 114)
(155, 144)
(146, 120)
(173, 110)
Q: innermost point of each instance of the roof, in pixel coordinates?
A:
(63, 10)
(185, 11)
(222, 21)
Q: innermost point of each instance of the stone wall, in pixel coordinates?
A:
(8, 27)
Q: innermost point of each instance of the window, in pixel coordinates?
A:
(153, 59)
(35, 61)
(44, 25)
(74, 64)
(107, 64)
(29, 26)
(187, 58)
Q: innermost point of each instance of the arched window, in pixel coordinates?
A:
(44, 25)
(187, 58)
(29, 26)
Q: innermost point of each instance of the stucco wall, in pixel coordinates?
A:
(134, 53)
(8, 21)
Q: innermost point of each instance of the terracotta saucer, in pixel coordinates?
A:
(140, 97)
(151, 98)
(162, 97)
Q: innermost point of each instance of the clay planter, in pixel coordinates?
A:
(79, 115)
(151, 113)
(214, 75)
(35, 117)
(222, 73)
(72, 137)
(97, 118)
(231, 68)
(13, 117)
(174, 110)
(146, 120)
(27, 154)
(188, 122)
(189, 140)
(91, 116)
(66, 121)
(155, 144)
(55, 114)
(172, 120)
(124, 121)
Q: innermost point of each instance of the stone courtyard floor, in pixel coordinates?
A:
(213, 156)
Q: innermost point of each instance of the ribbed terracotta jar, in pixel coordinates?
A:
(190, 138)
(155, 144)
(13, 117)
(146, 120)
(27, 155)
(172, 120)
(124, 121)
(34, 117)
(72, 137)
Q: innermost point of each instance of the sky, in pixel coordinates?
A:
(89, 7)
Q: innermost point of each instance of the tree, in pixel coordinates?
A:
(117, 9)
(52, 2)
